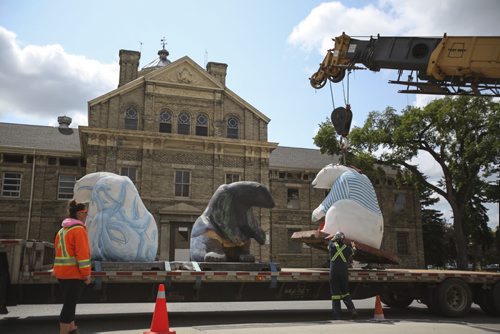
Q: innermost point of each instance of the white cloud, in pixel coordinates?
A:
(331, 19)
(428, 166)
(421, 100)
(42, 82)
(396, 18)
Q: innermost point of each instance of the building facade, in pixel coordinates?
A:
(179, 133)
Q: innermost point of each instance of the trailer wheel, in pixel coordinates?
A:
(396, 299)
(431, 302)
(489, 300)
(453, 297)
(496, 296)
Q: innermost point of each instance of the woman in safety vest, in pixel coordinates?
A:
(72, 263)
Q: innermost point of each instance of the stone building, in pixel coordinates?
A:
(178, 132)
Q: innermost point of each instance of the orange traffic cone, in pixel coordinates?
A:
(159, 325)
(379, 312)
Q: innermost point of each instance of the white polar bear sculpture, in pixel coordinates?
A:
(351, 206)
(119, 226)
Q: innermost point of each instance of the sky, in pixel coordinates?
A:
(56, 55)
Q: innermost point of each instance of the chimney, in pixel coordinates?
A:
(129, 65)
(218, 70)
(64, 122)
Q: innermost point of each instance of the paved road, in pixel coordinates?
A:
(243, 318)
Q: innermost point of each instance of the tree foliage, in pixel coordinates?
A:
(326, 140)
(437, 235)
(461, 136)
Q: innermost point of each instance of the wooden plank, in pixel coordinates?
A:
(364, 253)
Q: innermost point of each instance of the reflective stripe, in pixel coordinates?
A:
(66, 260)
(62, 243)
(84, 263)
(339, 252)
(339, 297)
(161, 295)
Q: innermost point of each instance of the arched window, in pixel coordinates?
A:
(183, 124)
(166, 122)
(202, 125)
(232, 128)
(131, 118)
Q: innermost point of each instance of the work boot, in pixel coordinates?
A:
(354, 314)
(336, 309)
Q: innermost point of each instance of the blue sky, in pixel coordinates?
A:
(56, 55)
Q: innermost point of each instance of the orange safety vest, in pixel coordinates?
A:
(72, 253)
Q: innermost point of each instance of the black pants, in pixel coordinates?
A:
(4, 279)
(71, 291)
(339, 287)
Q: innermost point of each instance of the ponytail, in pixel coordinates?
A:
(74, 207)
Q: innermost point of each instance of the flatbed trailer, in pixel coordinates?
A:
(447, 292)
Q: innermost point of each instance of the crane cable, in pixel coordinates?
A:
(346, 100)
(344, 142)
(331, 93)
(343, 149)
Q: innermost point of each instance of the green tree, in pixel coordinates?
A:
(433, 230)
(460, 134)
(436, 232)
(326, 140)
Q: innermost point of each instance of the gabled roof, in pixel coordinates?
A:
(157, 73)
(178, 63)
(299, 158)
(39, 137)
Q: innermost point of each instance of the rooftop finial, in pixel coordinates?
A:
(162, 60)
(163, 53)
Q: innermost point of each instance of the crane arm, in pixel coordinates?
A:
(448, 65)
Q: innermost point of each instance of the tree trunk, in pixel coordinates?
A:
(460, 240)
(497, 235)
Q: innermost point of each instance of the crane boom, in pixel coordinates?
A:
(465, 65)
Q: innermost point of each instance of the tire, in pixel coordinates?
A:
(396, 300)
(453, 298)
(489, 300)
(486, 300)
(496, 297)
(430, 300)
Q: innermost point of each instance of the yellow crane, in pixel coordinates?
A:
(461, 65)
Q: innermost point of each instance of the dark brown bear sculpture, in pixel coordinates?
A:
(223, 232)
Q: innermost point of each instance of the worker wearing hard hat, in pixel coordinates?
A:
(340, 257)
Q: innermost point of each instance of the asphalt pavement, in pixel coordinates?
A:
(244, 318)
(329, 327)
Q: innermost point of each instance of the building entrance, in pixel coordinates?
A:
(180, 236)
